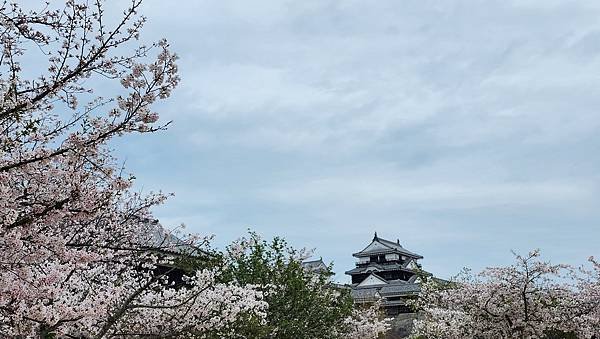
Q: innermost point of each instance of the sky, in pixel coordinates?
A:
(465, 129)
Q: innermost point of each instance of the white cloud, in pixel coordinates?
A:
(460, 122)
(431, 190)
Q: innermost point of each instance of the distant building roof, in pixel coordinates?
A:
(383, 246)
(159, 239)
(316, 266)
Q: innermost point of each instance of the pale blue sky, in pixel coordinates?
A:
(464, 128)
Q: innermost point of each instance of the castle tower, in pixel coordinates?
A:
(386, 270)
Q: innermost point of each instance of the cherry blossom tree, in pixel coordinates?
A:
(587, 315)
(78, 255)
(529, 299)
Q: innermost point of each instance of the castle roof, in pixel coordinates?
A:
(159, 239)
(383, 246)
(390, 289)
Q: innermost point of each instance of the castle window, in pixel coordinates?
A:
(392, 257)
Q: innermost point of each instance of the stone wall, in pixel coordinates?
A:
(401, 326)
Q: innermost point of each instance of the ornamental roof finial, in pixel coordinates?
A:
(375, 237)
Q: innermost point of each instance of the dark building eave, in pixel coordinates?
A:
(365, 271)
(390, 251)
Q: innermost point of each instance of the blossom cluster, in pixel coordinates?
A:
(529, 299)
(366, 323)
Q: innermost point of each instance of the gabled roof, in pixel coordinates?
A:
(383, 246)
(372, 280)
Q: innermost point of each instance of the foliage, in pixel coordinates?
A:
(302, 304)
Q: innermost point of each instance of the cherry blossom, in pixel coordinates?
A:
(366, 323)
